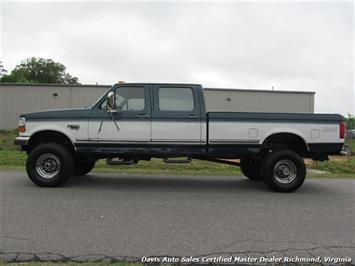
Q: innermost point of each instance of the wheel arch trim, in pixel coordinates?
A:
(51, 131)
(294, 133)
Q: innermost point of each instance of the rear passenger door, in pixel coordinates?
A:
(176, 118)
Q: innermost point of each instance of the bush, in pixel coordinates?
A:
(7, 140)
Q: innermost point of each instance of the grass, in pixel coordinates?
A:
(351, 143)
(72, 264)
(157, 166)
(7, 140)
(336, 168)
(96, 264)
(15, 160)
(12, 159)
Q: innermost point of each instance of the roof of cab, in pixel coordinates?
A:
(158, 83)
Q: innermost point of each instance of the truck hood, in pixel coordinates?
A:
(79, 113)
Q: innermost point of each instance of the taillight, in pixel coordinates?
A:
(341, 130)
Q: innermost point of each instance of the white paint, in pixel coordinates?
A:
(176, 131)
(34, 126)
(128, 130)
(240, 131)
(185, 132)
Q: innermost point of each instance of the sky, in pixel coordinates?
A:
(286, 46)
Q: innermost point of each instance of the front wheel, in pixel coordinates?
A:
(83, 167)
(283, 171)
(49, 165)
(251, 168)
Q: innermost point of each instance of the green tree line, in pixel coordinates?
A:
(38, 70)
(350, 121)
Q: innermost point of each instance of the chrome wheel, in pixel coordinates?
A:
(48, 165)
(285, 171)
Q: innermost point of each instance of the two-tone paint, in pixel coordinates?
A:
(156, 133)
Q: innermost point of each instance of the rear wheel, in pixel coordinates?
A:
(251, 168)
(49, 165)
(283, 171)
(83, 167)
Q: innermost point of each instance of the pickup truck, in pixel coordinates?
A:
(141, 121)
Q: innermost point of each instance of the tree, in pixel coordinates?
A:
(350, 121)
(3, 71)
(39, 70)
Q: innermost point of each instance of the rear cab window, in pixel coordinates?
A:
(176, 102)
(176, 99)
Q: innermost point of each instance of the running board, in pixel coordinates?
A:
(216, 160)
(187, 160)
(110, 161)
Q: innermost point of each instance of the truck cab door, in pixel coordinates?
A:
(176, 119)
(132, 116)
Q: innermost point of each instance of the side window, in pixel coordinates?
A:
(130, 98)
(176, 99)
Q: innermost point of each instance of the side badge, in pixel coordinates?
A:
(73, 127)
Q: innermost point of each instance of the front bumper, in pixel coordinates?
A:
(21, 141)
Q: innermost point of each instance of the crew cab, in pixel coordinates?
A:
(140, 121)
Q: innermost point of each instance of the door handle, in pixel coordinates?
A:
(192, 116)
(142, 116)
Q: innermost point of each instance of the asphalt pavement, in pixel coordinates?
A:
(119, 217)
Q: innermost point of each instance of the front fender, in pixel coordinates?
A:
(36, 127)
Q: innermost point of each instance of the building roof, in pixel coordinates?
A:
(107, 86)
(259, 90)
(54, 85)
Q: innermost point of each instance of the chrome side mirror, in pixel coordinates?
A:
(111, 100)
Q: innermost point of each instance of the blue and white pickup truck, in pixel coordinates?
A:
(140, 121)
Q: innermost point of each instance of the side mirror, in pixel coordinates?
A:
(110, 100)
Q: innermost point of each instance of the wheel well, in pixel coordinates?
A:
(285, 141)
(49, 136)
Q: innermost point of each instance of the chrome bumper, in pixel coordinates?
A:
(21, 141)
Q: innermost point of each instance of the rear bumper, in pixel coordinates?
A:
(21, 141)
(326, 148)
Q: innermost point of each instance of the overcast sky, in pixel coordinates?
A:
(290, 46)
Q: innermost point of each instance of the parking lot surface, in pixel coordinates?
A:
(117, 217)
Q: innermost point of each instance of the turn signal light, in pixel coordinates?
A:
(21, 125)
(21, 129)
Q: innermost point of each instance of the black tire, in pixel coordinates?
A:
(83, 167)
(46, 157)
(283, 171)
(251, 168)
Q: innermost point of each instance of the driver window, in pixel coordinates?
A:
(130, 98)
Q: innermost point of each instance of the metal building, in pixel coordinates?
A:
(238, 100)
(16, 99)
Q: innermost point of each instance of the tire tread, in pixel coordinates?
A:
(67, 165)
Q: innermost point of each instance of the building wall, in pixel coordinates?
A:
(16, 99)
(219, 100)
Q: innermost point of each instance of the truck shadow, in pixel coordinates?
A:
(176, 183)
(190, 184)
(215, 184)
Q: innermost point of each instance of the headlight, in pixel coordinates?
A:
(22, 125)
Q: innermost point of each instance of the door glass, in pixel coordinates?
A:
(130, 98)
(176, 99)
